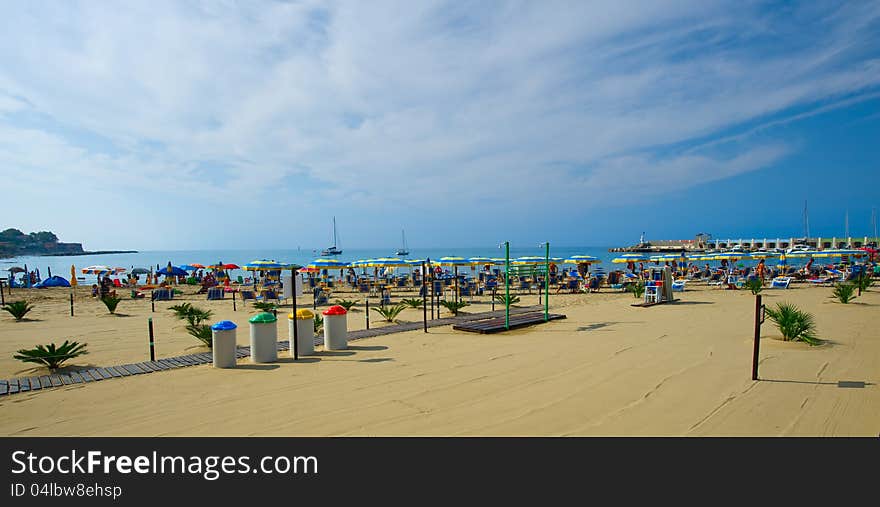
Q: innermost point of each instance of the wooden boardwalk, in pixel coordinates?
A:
(496, 324)
(97, 374)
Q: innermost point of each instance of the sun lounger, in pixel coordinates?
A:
(780, 282)
(162, 295)
(215, 293)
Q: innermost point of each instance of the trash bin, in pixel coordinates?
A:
(223, 344)
(305, 331)
(264, 338)
(335, 328)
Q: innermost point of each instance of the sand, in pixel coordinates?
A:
(608, 369)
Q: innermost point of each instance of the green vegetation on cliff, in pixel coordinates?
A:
(13, 242)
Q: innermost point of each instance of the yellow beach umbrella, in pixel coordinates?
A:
(73, 281)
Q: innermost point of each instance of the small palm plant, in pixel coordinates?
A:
(390, 313)
(454, 306)
(18, 309)
(265, 306)
(111, 302)
(319, 323)
(181, 310)
(755, 285)
(503, 299)
(863, 282)
(844, 292)
(794, 323)
(194, 317)
(346, 303)
(51, 356)
(412, 303)
(638, 289)
(202, 333)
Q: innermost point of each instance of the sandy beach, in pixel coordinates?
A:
(609, 368)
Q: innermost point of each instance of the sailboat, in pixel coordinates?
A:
(333, 250)
(403, 251)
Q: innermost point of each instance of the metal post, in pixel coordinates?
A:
(152, 346)
(367, 311)
(233, 301)
(547, 283)
(293, 311)
(507, 285)
(757, 337)
(424, 301)
(433, 296)
(493, 297)
(861, 274)
(455, 274)
(71, 303)
(152, 305)
(2, 297)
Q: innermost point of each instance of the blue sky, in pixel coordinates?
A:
(186, 125)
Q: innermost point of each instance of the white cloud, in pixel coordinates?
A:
(367, 102)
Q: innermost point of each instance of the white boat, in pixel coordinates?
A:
(333, 250)
(403, 250)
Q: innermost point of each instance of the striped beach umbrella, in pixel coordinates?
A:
(579, 259)
(452, 261)
(328, 263)
(263, 265)
(631, 257)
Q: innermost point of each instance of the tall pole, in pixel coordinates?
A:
(547, 283)
(424, 300)
(152, 347)
(293, 312)
(757, 345)
(507, 284)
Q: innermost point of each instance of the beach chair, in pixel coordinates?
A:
(162, 295)
(594, 284)
(247, 294)
(321, 296)
(215, 293)
(136, 294)
(267, 294)
(780, 282)
(678, 285)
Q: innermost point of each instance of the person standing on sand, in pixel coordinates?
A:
(761, 270)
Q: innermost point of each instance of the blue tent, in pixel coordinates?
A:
(53, 281)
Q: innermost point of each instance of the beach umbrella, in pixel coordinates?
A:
(188, 267)
(262, 265)
(534, 259)
(578, 259)
(96, 270)
(197, 265)
(630, 257)
(171, 271)
(15, 269)
(140, 271)
(327, 263)
(73, 281)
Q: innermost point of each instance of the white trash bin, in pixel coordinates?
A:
(223, 348)
(335, 328)
(264, 338)
(305, 332)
